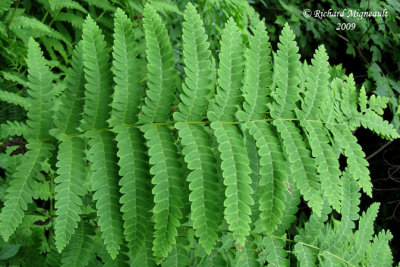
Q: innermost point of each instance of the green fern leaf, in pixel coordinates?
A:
(247, 256)
(69, 114)
(198, 68)
(161, 76)
(67, 4)
(144, 257)
(69, 188)
(273, 174)
(25, 27)
(13, 98)
(135, 185)
(327, 162)
(12, 128)
(15, 77)
(102, 155)
(287, 68)
(80, 249)
(380, 253)
(302, 164)
(127, 68)
(276, 253)
(235, 167)
(75, 20)
(317, 85)
(40, 94)
(168, 187)
(306, 255)
(230, 75)
(349, 211)
(179, 255)
(20, 192)
(356, 162)
(374, 122)
(258, 76)
(98, 77)
(203, 182)
(363, 235)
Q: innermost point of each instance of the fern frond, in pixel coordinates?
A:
(75, 20)
(98, 77)
(15, 77)
(326, 160)
(198, 68)
(67, 4)
(161, 76)
(291, 207)
(135, 185)
(258, 76)
(12, 128)
(306, 255)
(317, 86)
(69, 188)
(13, 98)
(203, 180)
(145, 257)
(179, 255)
(374, 122)
(273, 174)
(302, 165)
(230, 75)
(102, 4)
(287, 68)
(276, 252)
(20, 192)
(349, 211)
(33, 27)
(380, 253)
(69, 114)
(80, 249)
(246, 256)
(235, 167)
(348, 94)
(40, 94)
(168, 187)
(127, 68)
(363, 235)
(356, 162)
(102, 155)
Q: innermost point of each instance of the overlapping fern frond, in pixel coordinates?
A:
(146, 170)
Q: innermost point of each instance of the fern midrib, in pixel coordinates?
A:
(205, 122)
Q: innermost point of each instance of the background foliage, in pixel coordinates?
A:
(57, 26)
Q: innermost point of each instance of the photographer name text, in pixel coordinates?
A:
(321, 14)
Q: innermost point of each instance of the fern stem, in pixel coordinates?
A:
(45, 16)
(54, 18)
(13, 14)
(51, 211)
(206, 122)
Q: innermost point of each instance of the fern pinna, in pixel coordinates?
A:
(149, 164)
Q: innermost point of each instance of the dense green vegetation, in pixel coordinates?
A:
(145, 133)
